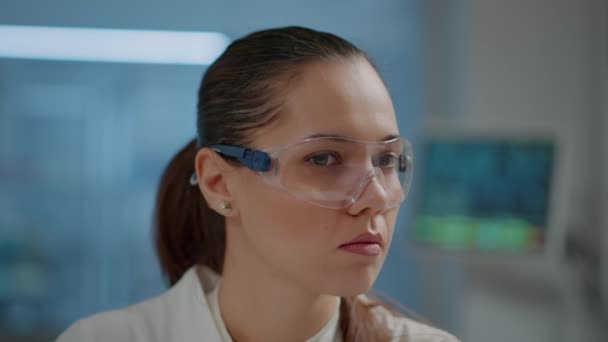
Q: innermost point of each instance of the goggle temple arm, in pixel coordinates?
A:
(255, 160)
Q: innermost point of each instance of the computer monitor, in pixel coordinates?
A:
(484, 193)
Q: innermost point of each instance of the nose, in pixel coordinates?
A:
(372, 196)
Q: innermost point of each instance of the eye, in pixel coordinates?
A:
(323, 159)
(386, 160)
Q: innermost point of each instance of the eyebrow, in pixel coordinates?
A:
(331, 135)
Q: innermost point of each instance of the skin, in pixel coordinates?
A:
(283, 270)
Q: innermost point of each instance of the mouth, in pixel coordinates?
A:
(366, 244)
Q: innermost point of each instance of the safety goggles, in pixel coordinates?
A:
(331, 172)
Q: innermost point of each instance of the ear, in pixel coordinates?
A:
(212, 172)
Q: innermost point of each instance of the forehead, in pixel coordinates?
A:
(345, 98)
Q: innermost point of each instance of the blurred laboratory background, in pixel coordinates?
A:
(503, 237)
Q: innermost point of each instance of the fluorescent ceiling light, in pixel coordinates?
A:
(111, 45)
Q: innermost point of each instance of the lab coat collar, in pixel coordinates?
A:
(189, 316)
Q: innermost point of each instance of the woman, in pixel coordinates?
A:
(274, 222)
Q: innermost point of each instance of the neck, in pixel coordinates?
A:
(257, 304)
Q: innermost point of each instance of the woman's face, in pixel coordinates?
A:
(299, 240)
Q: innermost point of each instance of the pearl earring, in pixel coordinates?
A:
(225, 207)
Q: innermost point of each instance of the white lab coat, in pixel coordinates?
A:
(183, 314)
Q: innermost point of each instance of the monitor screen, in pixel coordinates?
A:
(484, 194)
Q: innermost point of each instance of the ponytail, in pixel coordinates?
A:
(187, 231)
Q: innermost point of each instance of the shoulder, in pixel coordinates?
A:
(406, 329)
(176, 315)
(135, 323)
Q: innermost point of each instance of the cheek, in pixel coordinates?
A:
(282, 224)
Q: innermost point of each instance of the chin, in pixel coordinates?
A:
(354, 290)
(353, 282)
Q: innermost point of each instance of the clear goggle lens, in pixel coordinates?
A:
(334, 172)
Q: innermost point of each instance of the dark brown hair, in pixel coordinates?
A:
(240, 92)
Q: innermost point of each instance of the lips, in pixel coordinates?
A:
(365, 238)
(367, 244)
